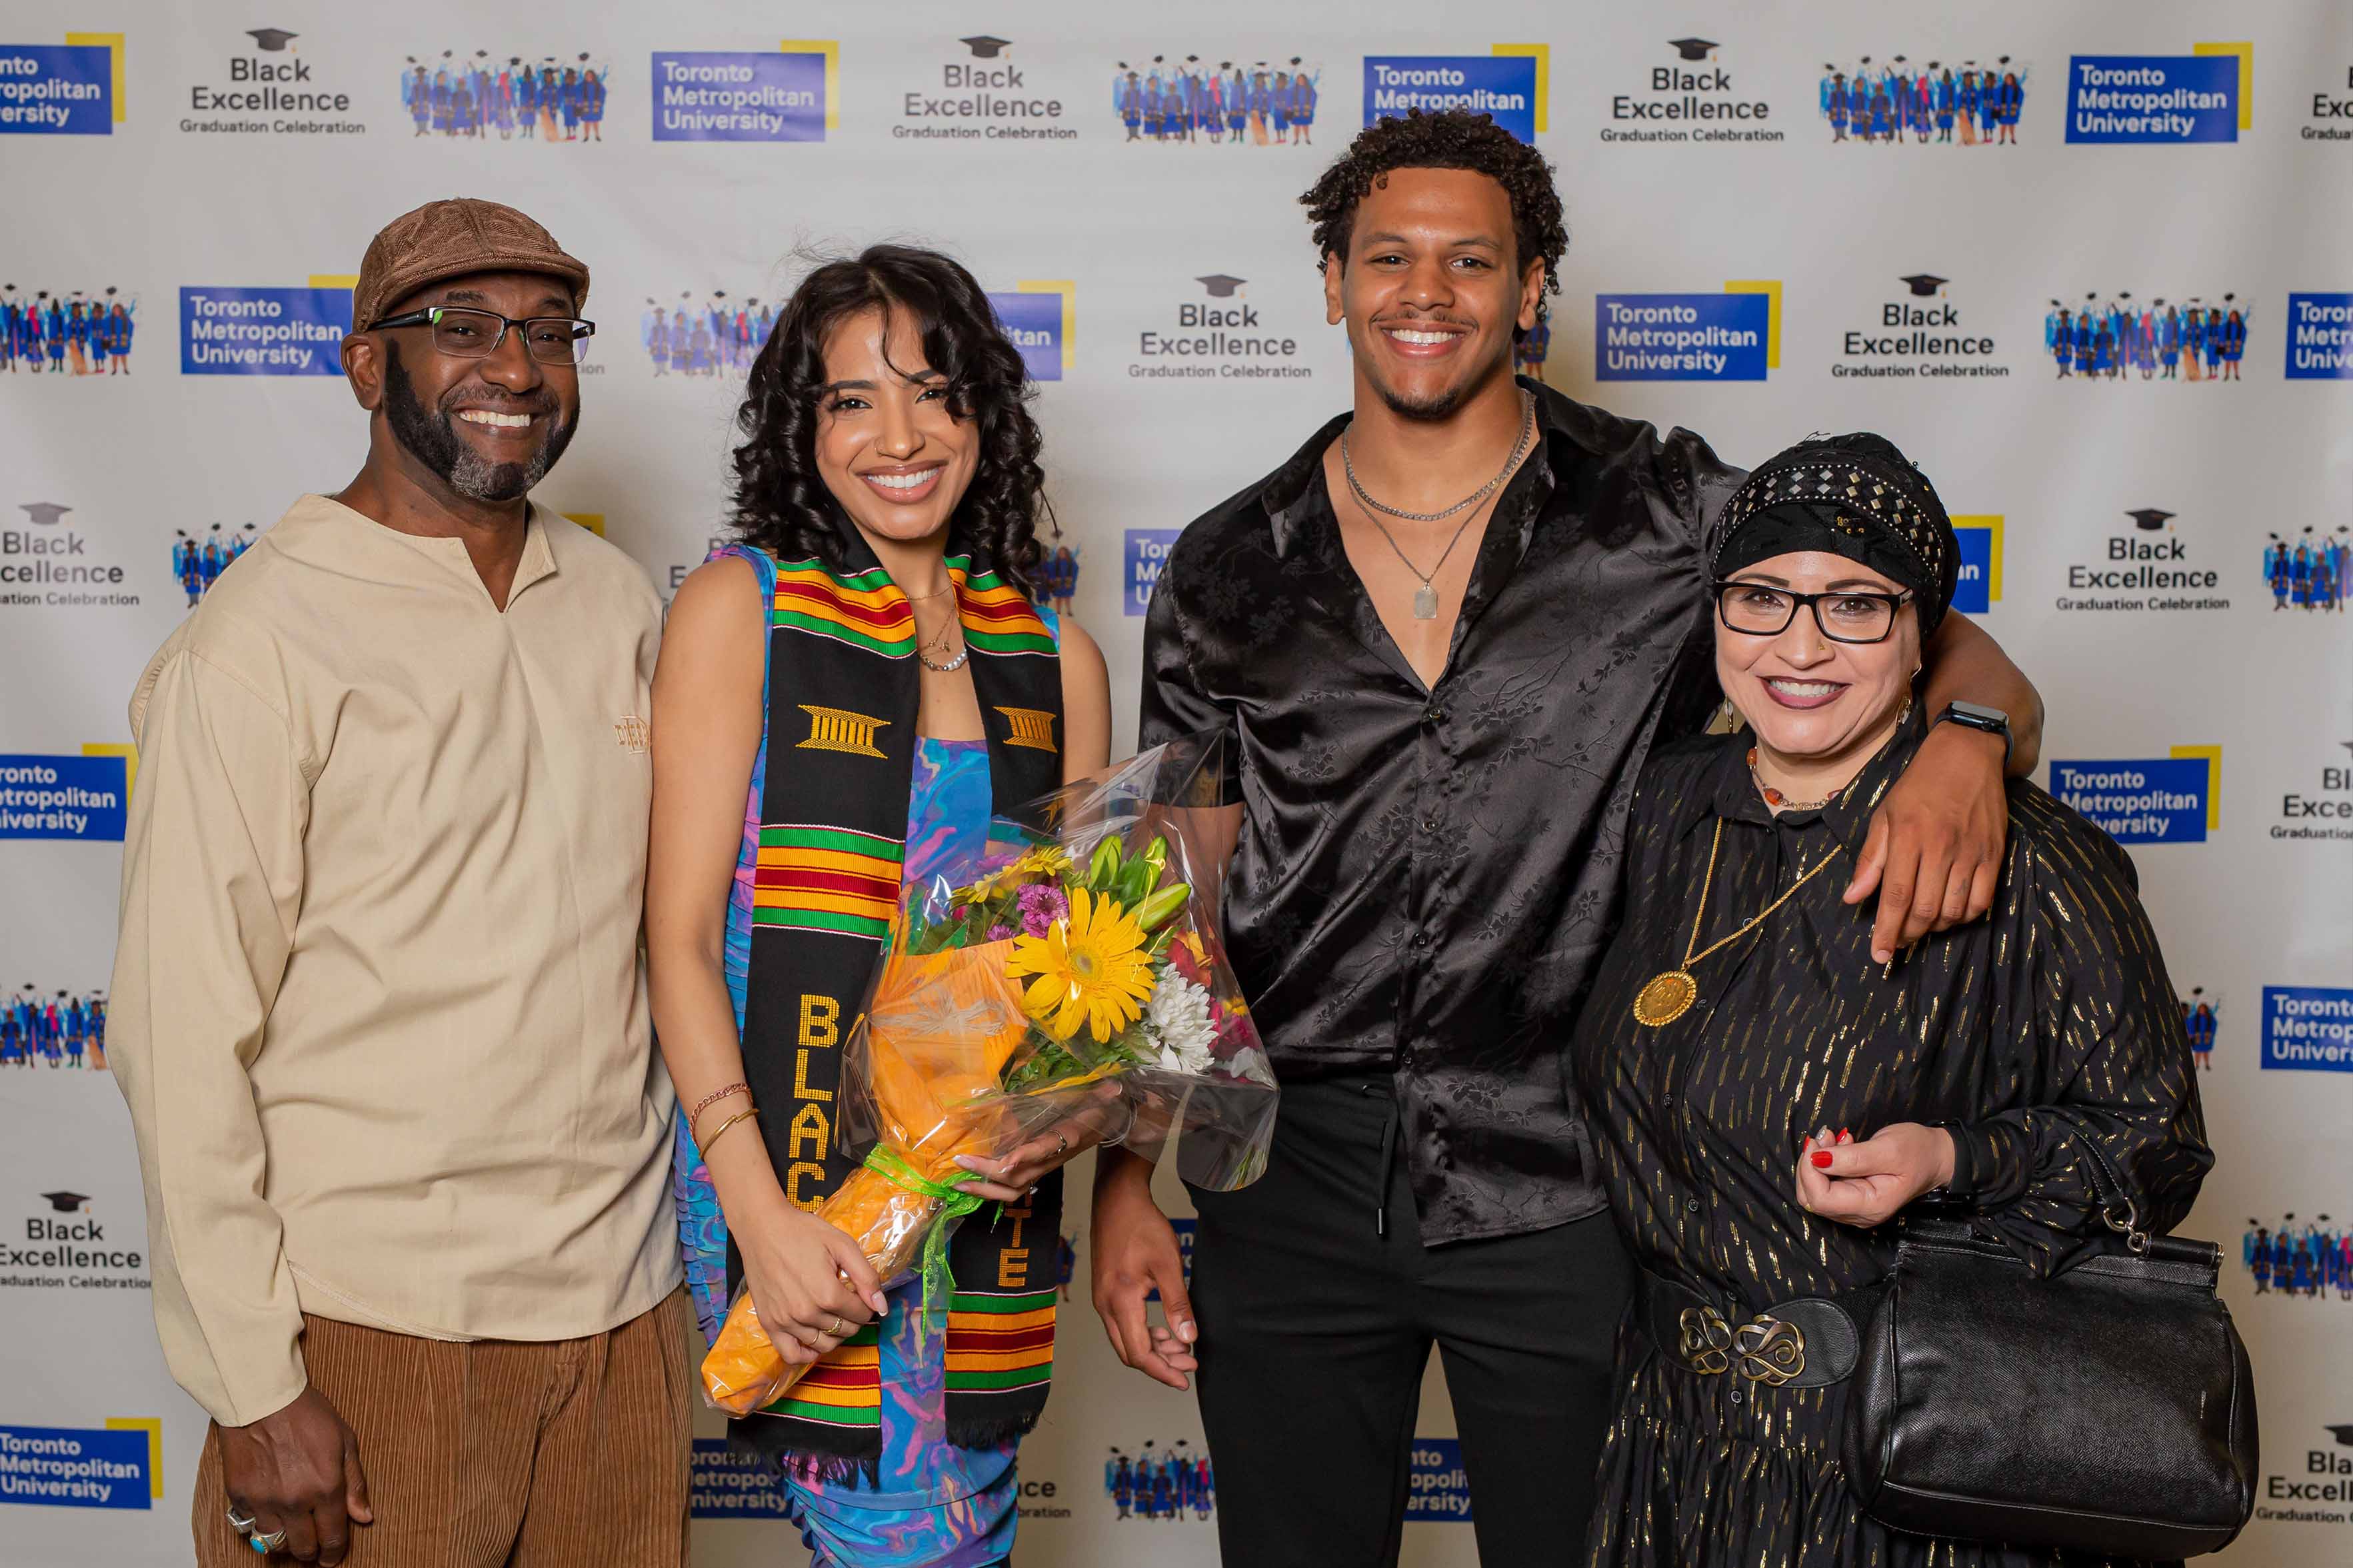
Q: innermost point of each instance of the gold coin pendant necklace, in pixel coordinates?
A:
(1669, 996)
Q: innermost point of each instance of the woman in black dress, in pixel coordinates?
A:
(1764, 1098)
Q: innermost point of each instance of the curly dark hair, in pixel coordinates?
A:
(1448, 139)
(782, 504)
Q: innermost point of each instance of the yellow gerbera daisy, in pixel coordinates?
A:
(1090, 969)
(1044, 860)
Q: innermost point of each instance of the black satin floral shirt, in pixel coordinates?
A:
(2047, 1022)
(1425, 876)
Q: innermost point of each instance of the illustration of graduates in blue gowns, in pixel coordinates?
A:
(59, 1029)
(705, 336)
(197, 563)
(2111, 339)
(481, 97)
(1885, 101)
(2308, 1259)
(1160, 1483)
(2308, 572)
(2200, 1014)
(76, 333)
(1229, 103)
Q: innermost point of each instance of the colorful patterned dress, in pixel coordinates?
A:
(927, 1503)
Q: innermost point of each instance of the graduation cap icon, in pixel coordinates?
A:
(1692, 49)
(272, 39)
(1220, 286)
(44, 512)
(1923, 284)
(67, 1203)
(2149, 517)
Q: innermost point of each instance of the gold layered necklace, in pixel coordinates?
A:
(1669, 996)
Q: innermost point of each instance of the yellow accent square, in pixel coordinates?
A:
(1992, 523)
(112, 41)
(1771, 289)
(155, 1431)
(1068, 289)
(1541, 55)
(2213, 756)
(130, 755)
(2246, 53)
(831, 49)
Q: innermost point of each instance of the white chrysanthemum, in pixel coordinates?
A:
(1179, 1013)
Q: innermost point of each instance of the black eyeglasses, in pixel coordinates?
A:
(464, 333)
(1761, 610)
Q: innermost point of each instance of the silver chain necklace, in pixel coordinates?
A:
(1425, 598)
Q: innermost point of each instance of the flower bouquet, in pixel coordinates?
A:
(1077, 956)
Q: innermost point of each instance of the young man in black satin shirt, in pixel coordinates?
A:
(1444, 637)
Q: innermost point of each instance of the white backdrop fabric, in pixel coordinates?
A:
(224, 166)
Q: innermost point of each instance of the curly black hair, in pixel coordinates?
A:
(782, 505)
(1448, 139)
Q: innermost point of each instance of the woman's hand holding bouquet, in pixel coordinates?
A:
(1073, 988)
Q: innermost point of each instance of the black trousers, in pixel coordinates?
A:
(1315, 1328)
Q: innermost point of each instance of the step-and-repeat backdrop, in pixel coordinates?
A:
(2091, 265)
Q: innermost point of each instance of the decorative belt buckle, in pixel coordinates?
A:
(1771, 1351)
(1706, 1343)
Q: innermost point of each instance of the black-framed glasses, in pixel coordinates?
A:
(1761, 610)
(462, 332)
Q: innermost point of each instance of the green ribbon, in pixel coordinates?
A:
(939, 1284)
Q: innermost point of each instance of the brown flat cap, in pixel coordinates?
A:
(449, 239)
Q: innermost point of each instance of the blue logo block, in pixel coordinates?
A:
(1973, 595)
(1504, 86)
(1034, 322)
(2308, 1027)
(2319, 337)
(728, 1485)
(56, 89)
(1438, 1487)
(2166, 99)
(1681, 337)
(2162, 800)
(263, 332)
(65, 1467)
(749, 95)
(1147, 551)
(63, 797)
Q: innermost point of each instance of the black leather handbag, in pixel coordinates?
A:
(2108, 1408)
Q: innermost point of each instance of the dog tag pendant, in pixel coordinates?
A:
(1425, 603)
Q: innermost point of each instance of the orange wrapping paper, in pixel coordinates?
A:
(939, 1032)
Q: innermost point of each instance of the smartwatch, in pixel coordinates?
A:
(1991, 720)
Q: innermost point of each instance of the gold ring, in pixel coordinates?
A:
(841, 1330)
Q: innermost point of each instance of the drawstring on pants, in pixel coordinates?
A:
(1387, 1162)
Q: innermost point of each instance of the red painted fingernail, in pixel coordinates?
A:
(1845, 1136)
(1822, 1159)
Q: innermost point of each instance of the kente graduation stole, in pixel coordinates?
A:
(843, 692)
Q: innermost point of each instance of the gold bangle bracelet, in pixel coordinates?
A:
(721, 1132)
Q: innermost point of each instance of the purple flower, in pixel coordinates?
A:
(1042, 904)
(1000, 932)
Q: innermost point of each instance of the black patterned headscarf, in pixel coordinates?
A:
(1856, 496)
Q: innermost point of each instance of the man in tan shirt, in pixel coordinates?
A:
(378, 1009)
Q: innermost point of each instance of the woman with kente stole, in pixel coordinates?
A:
(1764, 1098)
(845, 697)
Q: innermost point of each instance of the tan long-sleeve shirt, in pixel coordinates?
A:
(378, 1006)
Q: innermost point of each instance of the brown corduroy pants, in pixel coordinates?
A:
(567, 1454)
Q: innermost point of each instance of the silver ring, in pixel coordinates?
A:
(242, 1523)
(1061, 1146)
(263, 1545)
